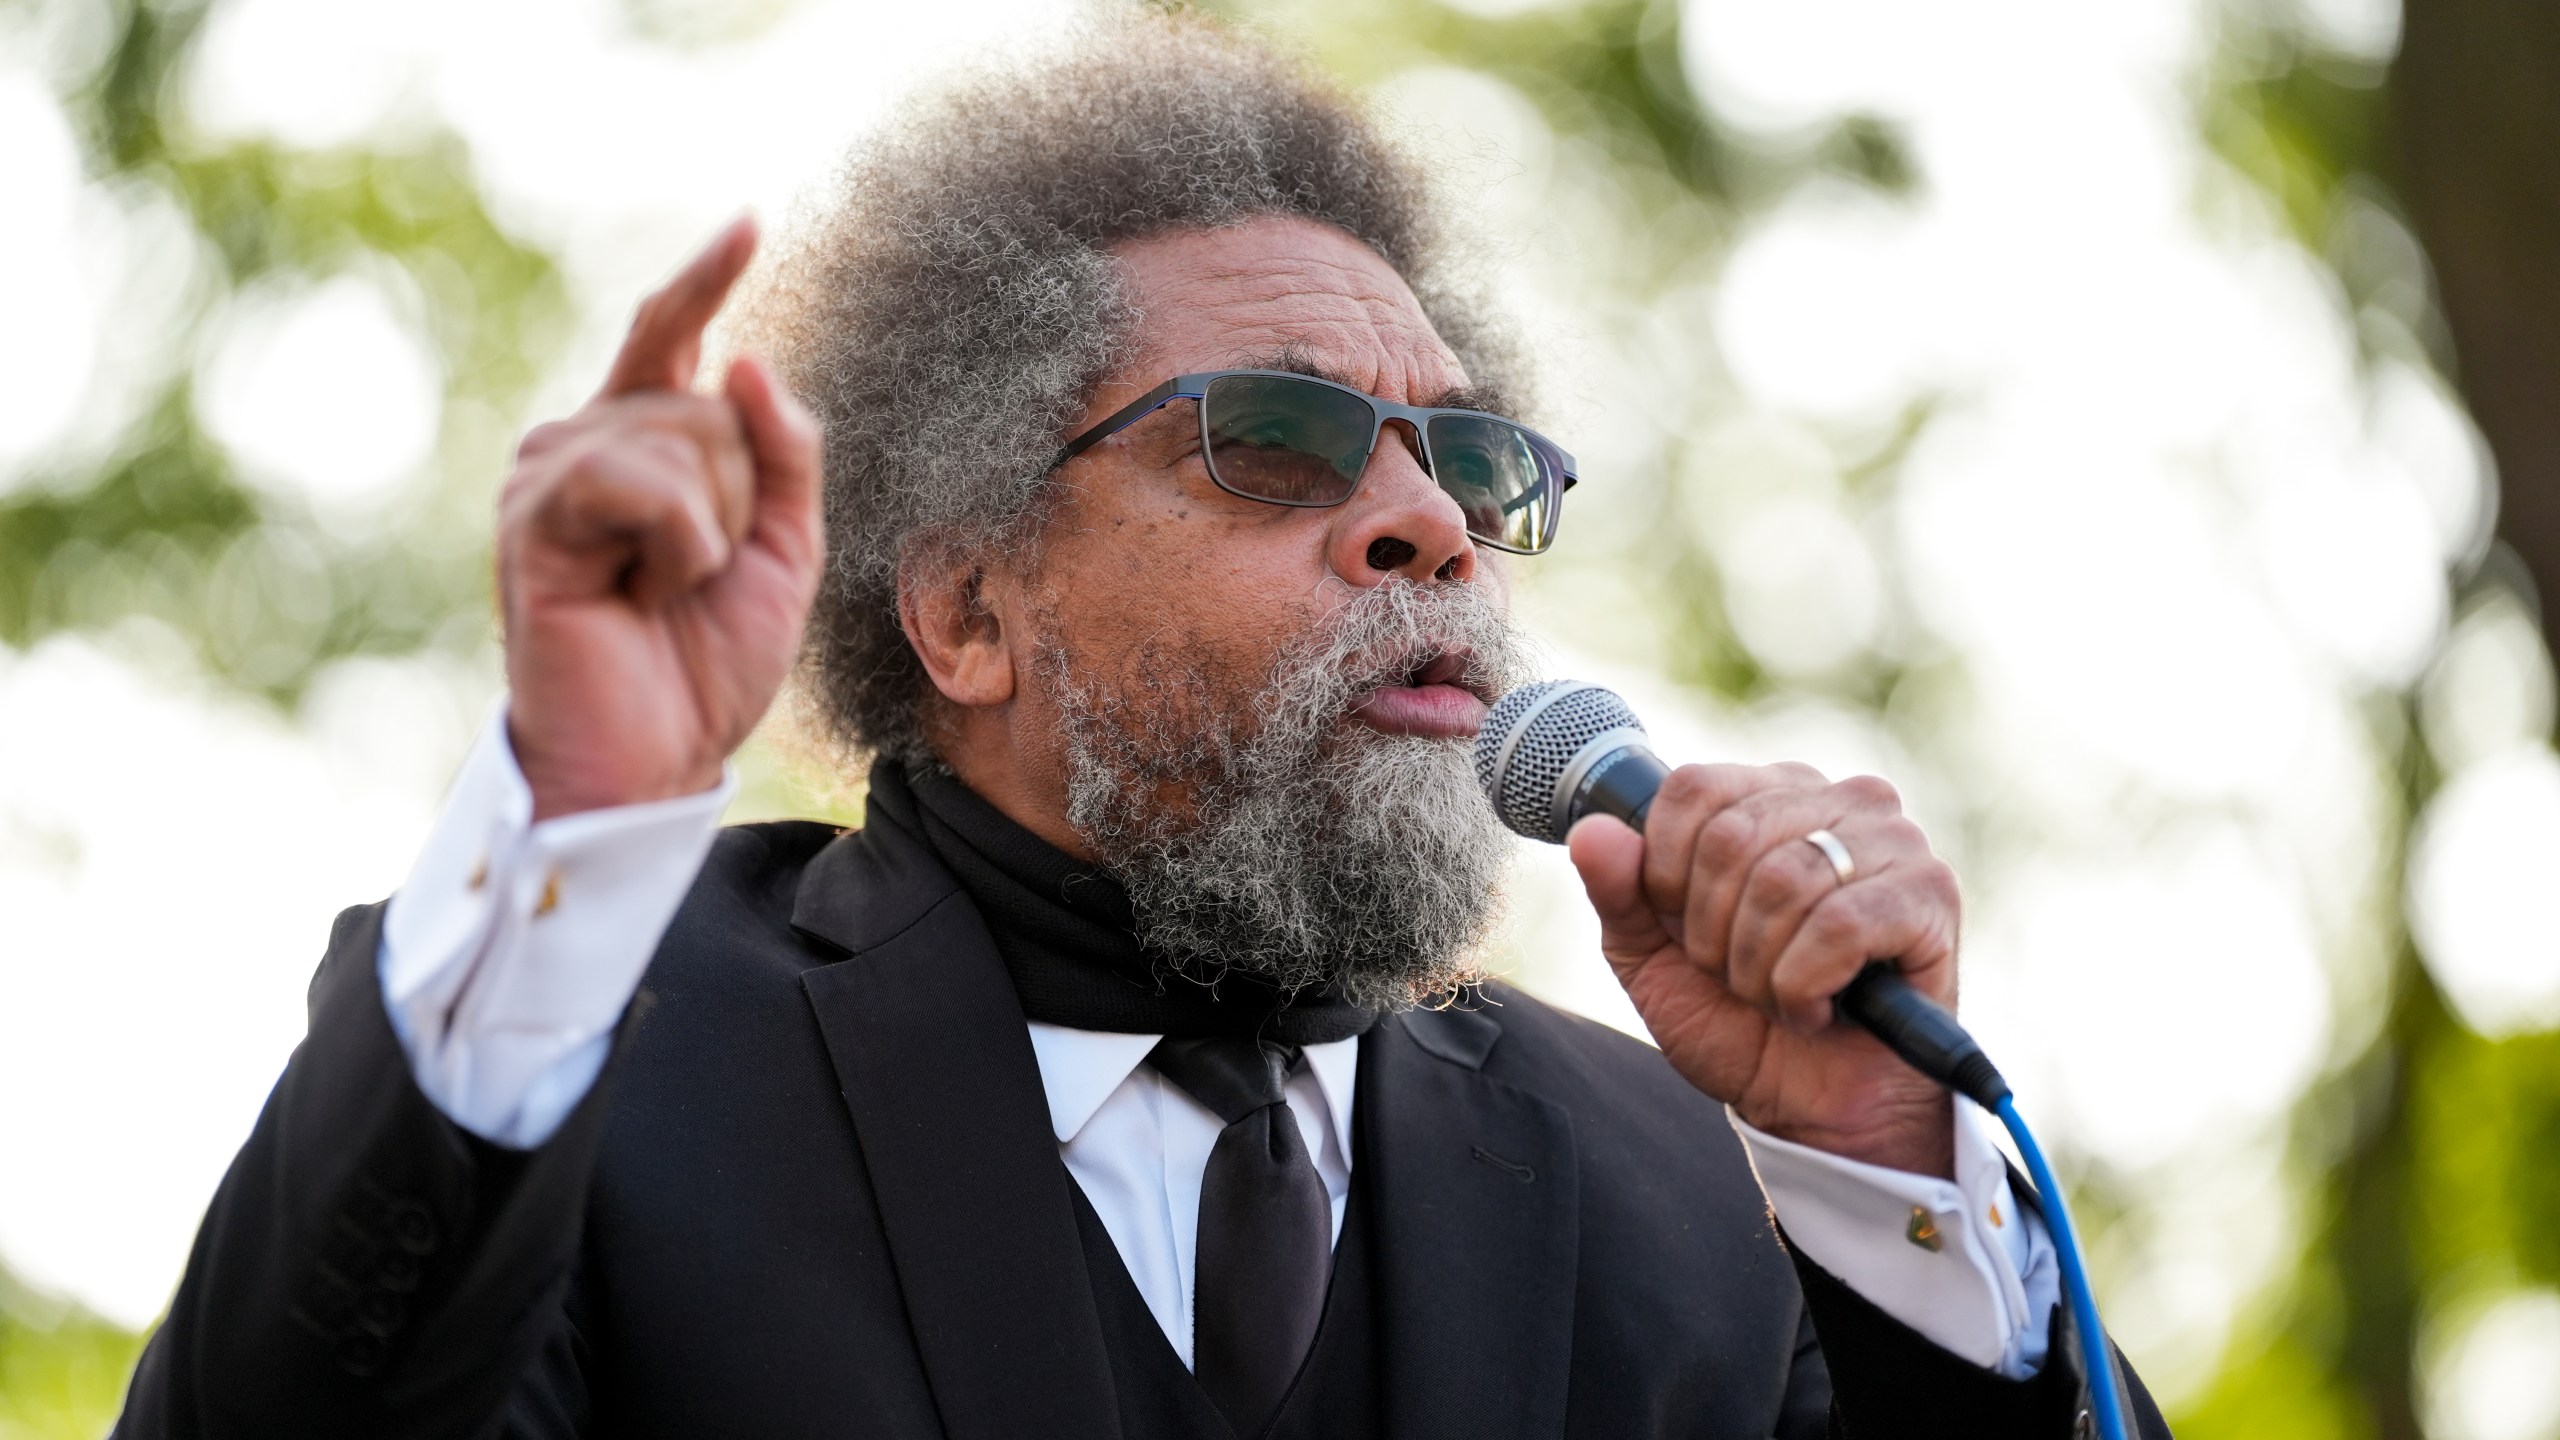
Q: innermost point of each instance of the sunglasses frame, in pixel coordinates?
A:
(1559, 464)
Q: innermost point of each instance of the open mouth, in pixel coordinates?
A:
(1436, 694)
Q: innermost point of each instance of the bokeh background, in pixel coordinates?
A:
(2129, 425)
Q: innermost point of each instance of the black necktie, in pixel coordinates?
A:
(1266, 1228)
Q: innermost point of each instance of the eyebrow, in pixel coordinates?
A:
(1296, 360)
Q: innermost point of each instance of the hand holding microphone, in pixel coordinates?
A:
(1752, 898)
(1743, 956)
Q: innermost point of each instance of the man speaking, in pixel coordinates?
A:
(1144, 511)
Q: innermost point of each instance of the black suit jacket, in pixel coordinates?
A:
(816, 1194)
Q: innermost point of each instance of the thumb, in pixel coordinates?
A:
(1610, 857)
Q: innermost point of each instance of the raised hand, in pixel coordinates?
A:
(1731, 934)
(657, 554)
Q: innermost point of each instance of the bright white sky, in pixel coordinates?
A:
(2168, 530)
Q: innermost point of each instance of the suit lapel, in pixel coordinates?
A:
(929, 1044)
(1475, 1188)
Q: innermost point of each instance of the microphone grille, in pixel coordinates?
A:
(1529, 739)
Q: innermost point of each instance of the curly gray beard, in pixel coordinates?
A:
(1269, 833)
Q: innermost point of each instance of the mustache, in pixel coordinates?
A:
(1396, 632)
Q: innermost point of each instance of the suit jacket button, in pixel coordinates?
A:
(412, 1228)
(380, 1314)
(361, 1354)
(398, 1273)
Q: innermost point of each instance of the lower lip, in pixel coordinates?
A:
(1442, 712)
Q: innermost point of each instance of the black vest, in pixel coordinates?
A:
(1335, 1397)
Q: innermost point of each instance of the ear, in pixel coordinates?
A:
(952, 611)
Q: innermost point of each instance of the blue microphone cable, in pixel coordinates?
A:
(1916, 1029)
(2094, 1352)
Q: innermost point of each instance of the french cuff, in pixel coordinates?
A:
(1947, 1258)
(513, 948)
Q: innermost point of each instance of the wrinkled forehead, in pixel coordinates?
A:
(1284, 293)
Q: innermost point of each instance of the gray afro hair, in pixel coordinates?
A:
(949, 306)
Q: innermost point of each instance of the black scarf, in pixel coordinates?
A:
(1068, 935)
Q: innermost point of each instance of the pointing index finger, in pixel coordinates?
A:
(665, 343)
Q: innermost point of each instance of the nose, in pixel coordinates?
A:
(1399, 522)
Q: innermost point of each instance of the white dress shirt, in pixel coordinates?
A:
(1138, 1146)
(514, 947)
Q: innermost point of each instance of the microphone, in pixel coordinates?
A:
(1553, 752)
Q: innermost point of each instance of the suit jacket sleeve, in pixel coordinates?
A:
(1887, 1380)
(1805, 1412)
(367, 1267)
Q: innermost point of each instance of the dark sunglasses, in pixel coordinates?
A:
(1290, 439)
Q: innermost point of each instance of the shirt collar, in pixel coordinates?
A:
(1080, 1068)
(1336, 1064)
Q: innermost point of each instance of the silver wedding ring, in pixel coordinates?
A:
(1835, 852)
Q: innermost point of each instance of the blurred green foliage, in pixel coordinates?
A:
(162, 525)
(2302, 123)
(62, 1370)
(2429, 1164)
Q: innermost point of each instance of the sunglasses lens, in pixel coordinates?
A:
(1501, 482)
(1289, 441)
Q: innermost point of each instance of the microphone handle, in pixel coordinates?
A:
(1623, 785)
(1919, 1030)
(1910, 1024)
